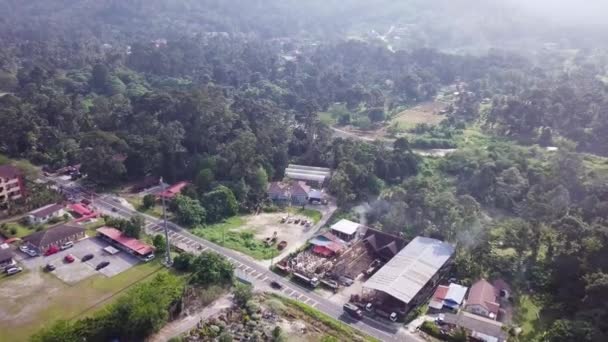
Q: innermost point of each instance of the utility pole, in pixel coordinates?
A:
(168, 260)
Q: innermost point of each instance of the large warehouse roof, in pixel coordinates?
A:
(408, 271)
(309, 173)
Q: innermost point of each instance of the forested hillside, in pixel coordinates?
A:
(226, 93)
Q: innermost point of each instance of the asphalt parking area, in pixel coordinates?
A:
(78, 270)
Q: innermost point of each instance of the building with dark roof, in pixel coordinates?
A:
(384, 245)
(6, 258)
(44, 214)
(12, 185)
(54, 236)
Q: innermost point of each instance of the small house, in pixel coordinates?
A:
(482, 300)
(282, 193)
(345, 229)
(448, 297)
(46, 213)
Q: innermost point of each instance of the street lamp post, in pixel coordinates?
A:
(168, 260)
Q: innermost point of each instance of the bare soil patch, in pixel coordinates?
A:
(266, 224)
(428, 112)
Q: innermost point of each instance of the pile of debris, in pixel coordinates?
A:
(310, 264)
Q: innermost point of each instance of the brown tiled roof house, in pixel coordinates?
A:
(56, 236)
(482, 299)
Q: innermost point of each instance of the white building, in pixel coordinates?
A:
(345, 229)
(44, 214)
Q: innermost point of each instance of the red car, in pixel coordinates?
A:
(52, 250)
(69, 258)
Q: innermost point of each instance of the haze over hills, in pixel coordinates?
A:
(456, 25)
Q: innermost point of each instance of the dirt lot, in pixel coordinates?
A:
(428, 112)
(264, 225)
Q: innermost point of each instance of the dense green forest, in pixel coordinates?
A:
(199, 91)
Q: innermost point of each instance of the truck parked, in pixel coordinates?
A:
(353, 310)
(312, 282)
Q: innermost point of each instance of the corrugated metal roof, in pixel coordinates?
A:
(311, 173)
(408, 271)
(456, 293)
(345, 226)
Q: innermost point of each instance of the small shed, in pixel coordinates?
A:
(345, 229)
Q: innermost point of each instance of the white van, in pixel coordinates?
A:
(67, 245)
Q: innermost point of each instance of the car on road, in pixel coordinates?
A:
(101, 265)
(114, 210)
(49, 267)
(69, 258)
(67, 245)
(87, 257)
(276, 285)
(13, 270)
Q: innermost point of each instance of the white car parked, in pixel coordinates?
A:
(67, 245)
(13, 270)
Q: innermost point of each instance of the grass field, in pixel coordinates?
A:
(423, 113)
(19, 229)
(242, 241)
(246, 233)
(42, 298)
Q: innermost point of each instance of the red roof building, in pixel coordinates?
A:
(80, 209)
(126, 243)
(173, 190)
(482, 299)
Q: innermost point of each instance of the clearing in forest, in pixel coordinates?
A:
(427, 112)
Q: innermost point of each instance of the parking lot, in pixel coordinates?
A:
(78, 270)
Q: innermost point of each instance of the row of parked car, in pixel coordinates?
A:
(70, 259)
(52, 250)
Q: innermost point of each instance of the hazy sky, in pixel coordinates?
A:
(582, 12)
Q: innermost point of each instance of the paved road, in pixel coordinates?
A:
(258, 275)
